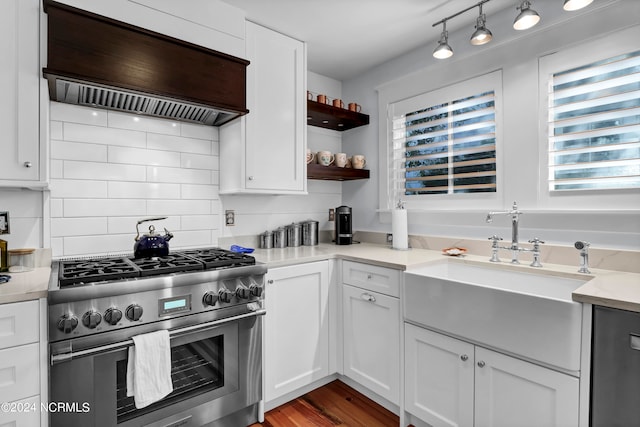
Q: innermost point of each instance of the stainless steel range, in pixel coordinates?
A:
(210, 300)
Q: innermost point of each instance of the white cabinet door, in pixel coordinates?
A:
(371, 328)
(19, 85)
(19, 372)
(439, 378)
(514, 393)
(22, 413)
(296, 327)
(264, 151)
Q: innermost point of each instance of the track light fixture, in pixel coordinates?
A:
(481, 35)
(443, 50)
(571, 5)
(527, 17)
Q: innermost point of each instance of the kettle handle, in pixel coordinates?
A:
(146, 220)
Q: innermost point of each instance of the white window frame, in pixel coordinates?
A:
(595, 50)
(438, 202)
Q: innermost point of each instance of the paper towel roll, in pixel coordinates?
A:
(399, 229)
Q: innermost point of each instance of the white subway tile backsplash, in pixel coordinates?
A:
(62, 227)
(104, 207)
(71, 188)
(181, 144)
(143, 123)
(178, 207)
(26, 204)
(78, 151)
(57, 247)
(191, 191)
(196, 238)
(56, 207)
(199, 161)
(56, 169)
(102, 135)
(178, 175)
(127, 224)
(77, 114)
(103, 171)
(142, 156)
(142, 190)
(98, 244)
(55, 130)
(200, 222)
(191, 130)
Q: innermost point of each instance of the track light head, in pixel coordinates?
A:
(481, 35)
(571, 5)
(527, 17)
(443, 51)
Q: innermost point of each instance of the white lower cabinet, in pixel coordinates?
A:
(296, 327)
(449, 382)
(371, 326)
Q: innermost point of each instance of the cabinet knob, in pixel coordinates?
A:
(464, 357)
(481, 364)
(28, 164)
(369, 277)
(270, 281)
(251, 178)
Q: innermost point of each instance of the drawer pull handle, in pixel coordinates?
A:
(481, 364)
(368, 297)
(464, 357)
(634, 342)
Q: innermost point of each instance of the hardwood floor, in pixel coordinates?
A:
(335, 404)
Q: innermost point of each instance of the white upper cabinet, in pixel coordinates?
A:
(264, 151)
(213, 24)
(20, 161)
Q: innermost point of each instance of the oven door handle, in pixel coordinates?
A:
(65, 357)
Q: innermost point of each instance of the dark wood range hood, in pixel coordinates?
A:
(100, 62)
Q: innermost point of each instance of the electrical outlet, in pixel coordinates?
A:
(389, 238)
(4, 222)
(229, 218)
(332, 215)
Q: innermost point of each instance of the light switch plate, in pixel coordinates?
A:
(4, 222)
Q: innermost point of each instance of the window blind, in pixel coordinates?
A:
(594, 125)
(446, 148)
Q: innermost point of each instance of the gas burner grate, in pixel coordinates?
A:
(95, 270)
(172, 263)
(216, 258)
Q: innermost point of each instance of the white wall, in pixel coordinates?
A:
(516, 53)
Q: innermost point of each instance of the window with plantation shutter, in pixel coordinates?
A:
(594, 125)
(443, 143)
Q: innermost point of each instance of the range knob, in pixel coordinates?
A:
(255, 290)
(224, 295)
(112, 316)
(242, 292)
(67, 323)
(210, 298)
(91, 319)
(133, 312)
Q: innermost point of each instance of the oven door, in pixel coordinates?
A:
(216, 373)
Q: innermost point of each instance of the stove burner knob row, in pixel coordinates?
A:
(91, 319)
(255, 290)
(210, 298)
(133, 312)
(112, 316)
(224, 295)
(67, 323)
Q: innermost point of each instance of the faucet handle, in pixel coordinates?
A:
(536, 241)
(495, 238)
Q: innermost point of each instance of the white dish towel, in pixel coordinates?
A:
(149, 368)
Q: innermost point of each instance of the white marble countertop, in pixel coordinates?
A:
(608, 288)
(615, 289)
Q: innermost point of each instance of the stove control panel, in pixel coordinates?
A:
(120, 311)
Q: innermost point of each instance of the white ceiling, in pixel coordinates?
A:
(346, 37)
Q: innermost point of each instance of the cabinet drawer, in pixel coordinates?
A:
(18, 323)
(372, 277)
(19, 372)
(22, 413)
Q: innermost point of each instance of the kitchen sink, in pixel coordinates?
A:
(515, 310)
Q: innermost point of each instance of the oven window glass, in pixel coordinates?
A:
(196, 368)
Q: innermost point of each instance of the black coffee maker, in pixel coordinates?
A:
(344, 233)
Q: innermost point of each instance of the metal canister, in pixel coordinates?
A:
(294, 234)
(266, 240)
(280, 238)
(310, 232)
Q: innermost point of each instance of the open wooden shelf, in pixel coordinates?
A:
(330, 117)
(335, 173)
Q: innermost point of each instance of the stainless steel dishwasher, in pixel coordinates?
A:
(615, 376)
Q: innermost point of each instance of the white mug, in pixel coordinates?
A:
(325, 158)
(358, 161)
(310, 156)
(341, 159)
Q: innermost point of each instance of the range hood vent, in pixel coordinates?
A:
(99, 62)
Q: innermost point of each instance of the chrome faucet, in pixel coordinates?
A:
(583, 247)
(515, 246)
